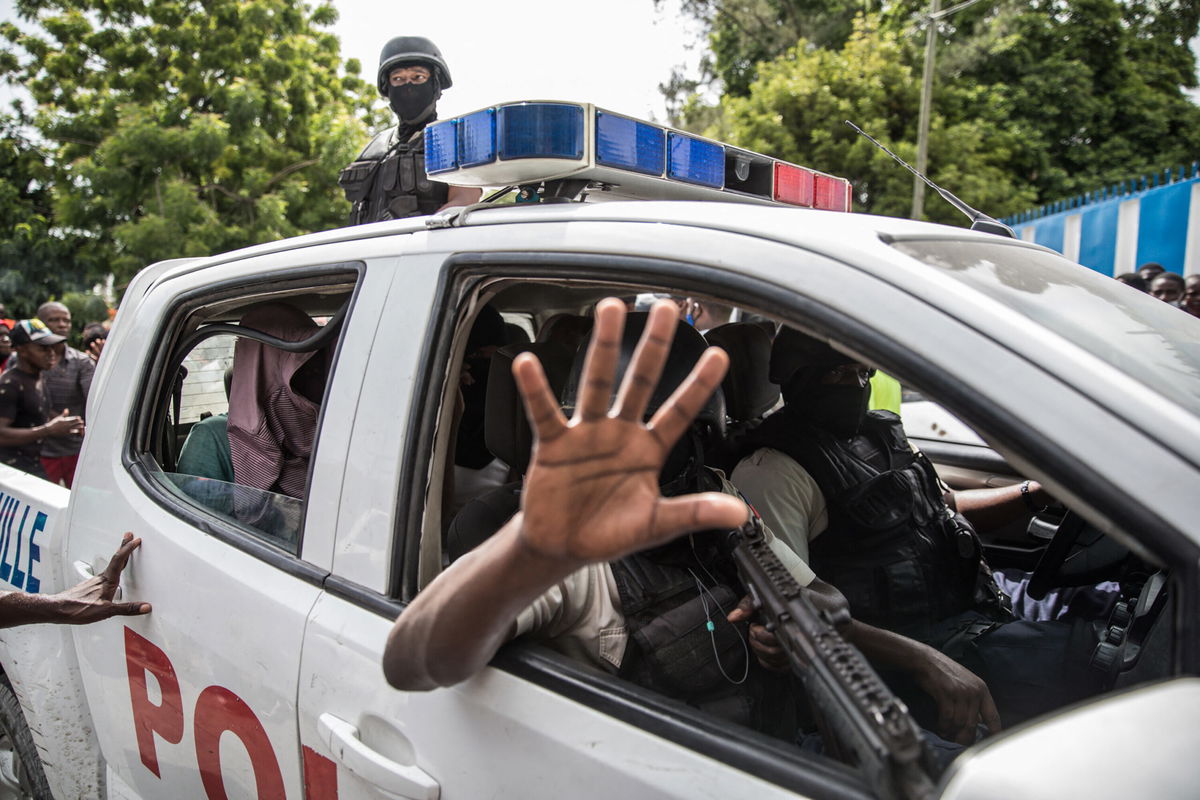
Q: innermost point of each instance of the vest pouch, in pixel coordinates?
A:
(389, 168)
(891, 593)
(355, 180)
(906, 590)
(677, 649)
(878, 503)
(408, 169)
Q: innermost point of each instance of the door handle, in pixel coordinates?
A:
(85, 571)
(408, 781)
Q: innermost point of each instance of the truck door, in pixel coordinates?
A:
(198, 698)
(535, 724)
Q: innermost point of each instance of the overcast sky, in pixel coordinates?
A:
(613, 53)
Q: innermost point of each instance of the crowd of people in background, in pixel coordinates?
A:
(44, 385)
(1170, 287)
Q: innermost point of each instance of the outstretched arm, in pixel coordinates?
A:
(591, 495)
(89, 601)
(986, 509)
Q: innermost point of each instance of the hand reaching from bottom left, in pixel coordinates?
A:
(86, 602)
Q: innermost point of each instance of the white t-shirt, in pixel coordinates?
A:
(785, 496)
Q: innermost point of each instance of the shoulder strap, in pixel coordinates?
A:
(379, 146)
(809, 447)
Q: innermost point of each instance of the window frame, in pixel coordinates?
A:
(808, 774)
(147, 416)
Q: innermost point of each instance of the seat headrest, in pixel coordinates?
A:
(515, 334)
(506, 431)
(570, 330)
(748, 390)
(687, 346)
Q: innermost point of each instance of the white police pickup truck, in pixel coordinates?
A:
(258, 672)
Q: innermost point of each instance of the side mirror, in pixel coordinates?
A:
(1139, 743)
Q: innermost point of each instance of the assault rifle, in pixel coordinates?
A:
(861, 721)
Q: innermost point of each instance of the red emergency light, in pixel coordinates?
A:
(793, 185)
(831, 193)
(798, 186)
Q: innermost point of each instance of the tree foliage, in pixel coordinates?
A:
(86, 308)
(1034, 99)
(798, 103)
(1096, 86)
(37, 260)
(180, 127)
(744, 33)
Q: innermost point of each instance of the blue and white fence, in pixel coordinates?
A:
(1117, 228)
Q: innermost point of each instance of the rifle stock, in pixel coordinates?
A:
(858, 711)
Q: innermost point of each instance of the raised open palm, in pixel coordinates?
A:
(591, 491)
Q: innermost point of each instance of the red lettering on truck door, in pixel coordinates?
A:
(165, 719)
(219, 710)
(320, 776)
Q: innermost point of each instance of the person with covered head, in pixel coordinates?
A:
(388, 180)
(274, 402)
(844, 487)
(274, 399)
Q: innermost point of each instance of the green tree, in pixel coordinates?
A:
(86, 308)
(1034, 100)
(37, 260)
(1095, 86)
(796, 107)
(181, 127)
(741, 34)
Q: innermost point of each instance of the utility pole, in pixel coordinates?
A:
(934, 16)
(918, 203)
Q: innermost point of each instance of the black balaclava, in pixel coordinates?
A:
(832, 407)
(414, 103)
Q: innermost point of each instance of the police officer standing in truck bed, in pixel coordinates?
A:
(388, 180)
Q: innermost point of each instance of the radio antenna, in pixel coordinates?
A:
(979, 220)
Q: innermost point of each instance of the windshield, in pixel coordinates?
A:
(1154, 343)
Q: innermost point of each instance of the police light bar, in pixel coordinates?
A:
(521, 143)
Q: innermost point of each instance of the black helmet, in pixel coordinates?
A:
(411, 50)
(793, 351)
(686, 349)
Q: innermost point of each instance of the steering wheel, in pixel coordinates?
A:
(1044, 575)
(1077, 555)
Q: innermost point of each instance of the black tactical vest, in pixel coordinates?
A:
(388, 180)
(893, 547)
(669, 596)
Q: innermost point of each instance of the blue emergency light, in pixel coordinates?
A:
(540, 130)
(696, 160)
(476, 139)
(530, 142)
(626, 143)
